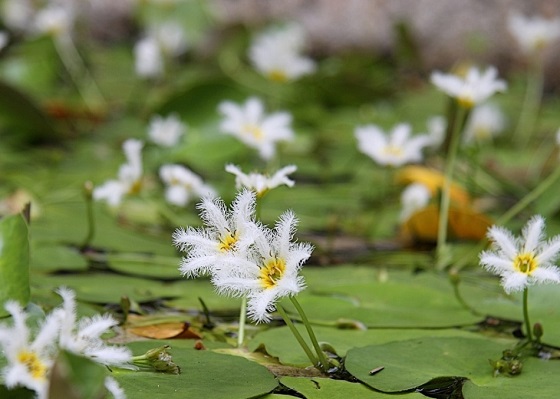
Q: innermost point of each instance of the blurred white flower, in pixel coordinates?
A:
(533, 34)
(471, 89)
(252, 126)
(114, 388)
(273, 272)
(83, 337)
(223, 242)
(485, 122)
(276, 54)
(394, 149)
(259, 183)
(522, 261)
(437, 126)
(182, 184)
(29, 361)
(148, 59)
(166, 131)
(129, 177)
(171, 38)
(414, 197)
(55, 19)
(18, 14)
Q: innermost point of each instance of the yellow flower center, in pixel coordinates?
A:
(525, 263)
(393, 150)
(272, 271)
(135, 188)
(277, 75)
(466, 102)
(228, 241)
(36, 368)
(254, 131)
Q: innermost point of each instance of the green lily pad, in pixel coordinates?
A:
(203, 374)
(50, 258)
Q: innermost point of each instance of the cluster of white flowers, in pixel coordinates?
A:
(471, 89)
(160, 42)
(243, 257)
(129, 179)
(54, 17)
(250, 124)
(166, 131)
(394, 149)
(260, 183)
(533, 34)
(522, 261)
(30, 359)
(276, 53)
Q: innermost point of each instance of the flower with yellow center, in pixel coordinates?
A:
(533, 34)
(29, 360)
(224, 240)
(250, 124)
(471, 89)
(272, 271)
(391, 149)
(522, 261)
(261, 183)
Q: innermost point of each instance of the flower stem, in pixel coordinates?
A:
(320, 354)
(88, 195)
(298, 336)
(526, 315)
(242, 319)
(531, 102)
(460, 117)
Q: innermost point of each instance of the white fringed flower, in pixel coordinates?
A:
(166, 131)
(250, 124)
(273, 272)
(260, 183)
(485, 122)
(394, 149)
(471, 89)
(414, 197)
(83, 337)
(148, 59)
(182, 184)
(29, 361)
(533, 34)
(223, 242)
(129, 177)
(114, 388)
(276, 54)
(522, 261)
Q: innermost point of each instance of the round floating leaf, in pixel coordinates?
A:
(204, 374)
(14, 260)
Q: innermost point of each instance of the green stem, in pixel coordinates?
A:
(526, 315)
(88, 194)
(298, 336)
(320, 354)
(460, 118)
(242, 319)
(531, 102)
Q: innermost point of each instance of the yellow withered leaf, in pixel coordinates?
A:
(175, 330)
(432, 179)
(464, 224)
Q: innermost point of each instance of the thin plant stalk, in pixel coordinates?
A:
(242, 320)
(460, 118)
(531, 102)
(321, 355)
(298, 336)
(88, 195)
(526, 315)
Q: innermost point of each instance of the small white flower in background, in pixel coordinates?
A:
(394, 149)
(148, 59)
(473, 88)
(414, 197)
(114, 388)
(260, 183)
(182, 184)
(171, 38)
(276, 54)
(558, 137)
(437, 126)
(129, 178)
(223, 242)
(250, 124)
(55, 20)
(3, 39)
(166, 131)
(485, 122)
(533, 34)
(18, 14)
(83, 337)
(522, 261)
(273, 272)
(29, 361)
